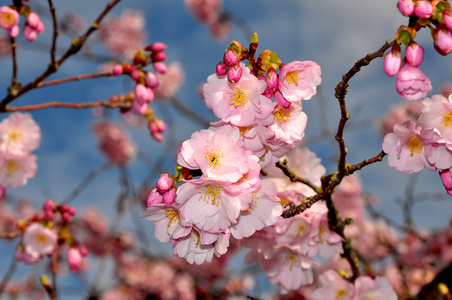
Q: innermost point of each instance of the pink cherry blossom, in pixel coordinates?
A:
(378, 289)
(39, 240)
(304, 164)
(405, 148)
(298, 80)
(264, 210)
(9, 20)
(411, 83)
(333, 286)
(209, 205)
(16, 169)
(75, 261)
(124, 35)
(423, 9)
(240, 103)
(170, 82)
(218, 152)
(437, 117)
(289, 123)
(115, 143)
(19, 134)
(33, 26)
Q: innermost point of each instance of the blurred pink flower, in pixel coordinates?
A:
(114, 142)
(9, 20)
(170, 82)
(16, 169)
(19, 134)
(39, 240)
(124, 35)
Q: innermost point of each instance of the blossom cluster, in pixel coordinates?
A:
(9, 20)
(42, 232)
(425, 142)
(19, 136)
(229, 197)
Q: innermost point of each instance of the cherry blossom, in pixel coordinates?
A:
(298, 80)
(19, 134)
(411, 83)
(9, 20)
(39, 240)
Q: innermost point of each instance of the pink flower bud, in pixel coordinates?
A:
(414, 54)
(411, 83)
(48, 205)
(158, 56)
(169, 196)
(75, 261)
(135, 74)
(156, 47)
(40, 27)
(423, 9)
(33, 20)
(446, 178)
(151, 80)
(221, 69)
(140, 107)
(281, 100)
(117, 70)
(230, 58)
(143, 94)
(164, 183)
(160, 125)
(48, 215)
(154, 197)
(158, 136)
(29, 33)
(406, 7)
(392, 61)
(442, 40)
(447, 19)
(66, 217)
(272, 79)
(234, 73)
(128, 68)
(160, 67)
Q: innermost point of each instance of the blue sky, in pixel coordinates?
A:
(333, 33)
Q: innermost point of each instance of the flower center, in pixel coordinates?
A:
(214, 158)
(41, 239)
(302, 228)
(282, 115)
(292, 77)
(414, 145)
(341, 294)
(253, 204)
(322, 233)
(239, 96)
(195, 236)
(447, 120)
(15, 135)
(12, 167)
(173, 217)
(292, 259)
(7, 17)
(211, 194)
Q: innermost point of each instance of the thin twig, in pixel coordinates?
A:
(54, 36)
(9, 273)
(57, 104)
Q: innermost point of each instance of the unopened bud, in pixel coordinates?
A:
(160, 67)
(221, 69)
(117, 69)
(230, 58)
(414, 54)
(156, 47)
(234, 74)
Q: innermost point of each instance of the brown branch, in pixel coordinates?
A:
(340, 92)
(73, 78)
(76, 45)
(53, 63)
(57, 104)
(295, 178)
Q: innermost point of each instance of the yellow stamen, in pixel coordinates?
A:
(195, 236)
(7, 17)
(15, 135)
(211, 194)
(447, 120)
(282, 115)
(341, 294)
(12, 167)
(292, 77)
(239, 96)
(41, 239)
(214, 158)
(293, 260)
(173, 217)
(414, 145)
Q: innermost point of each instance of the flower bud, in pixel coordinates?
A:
(230, 58)
(154, 197)
(447, 19)
(392, 61)
(272, 79)
(135, 74)
(442, 40)
(159, 56)
(164, 183)
(127, 68)
(411, 83)
(160, 67)
(169, 196)
(156, 47)
(158, 136)
(117, 69)
(414, 54)
(221, 69)
(406, 7)
(235, 73)
(140, 58)
(49, 205)
(446, 178)
(423, 9)
(151, 80)
(143, 94)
